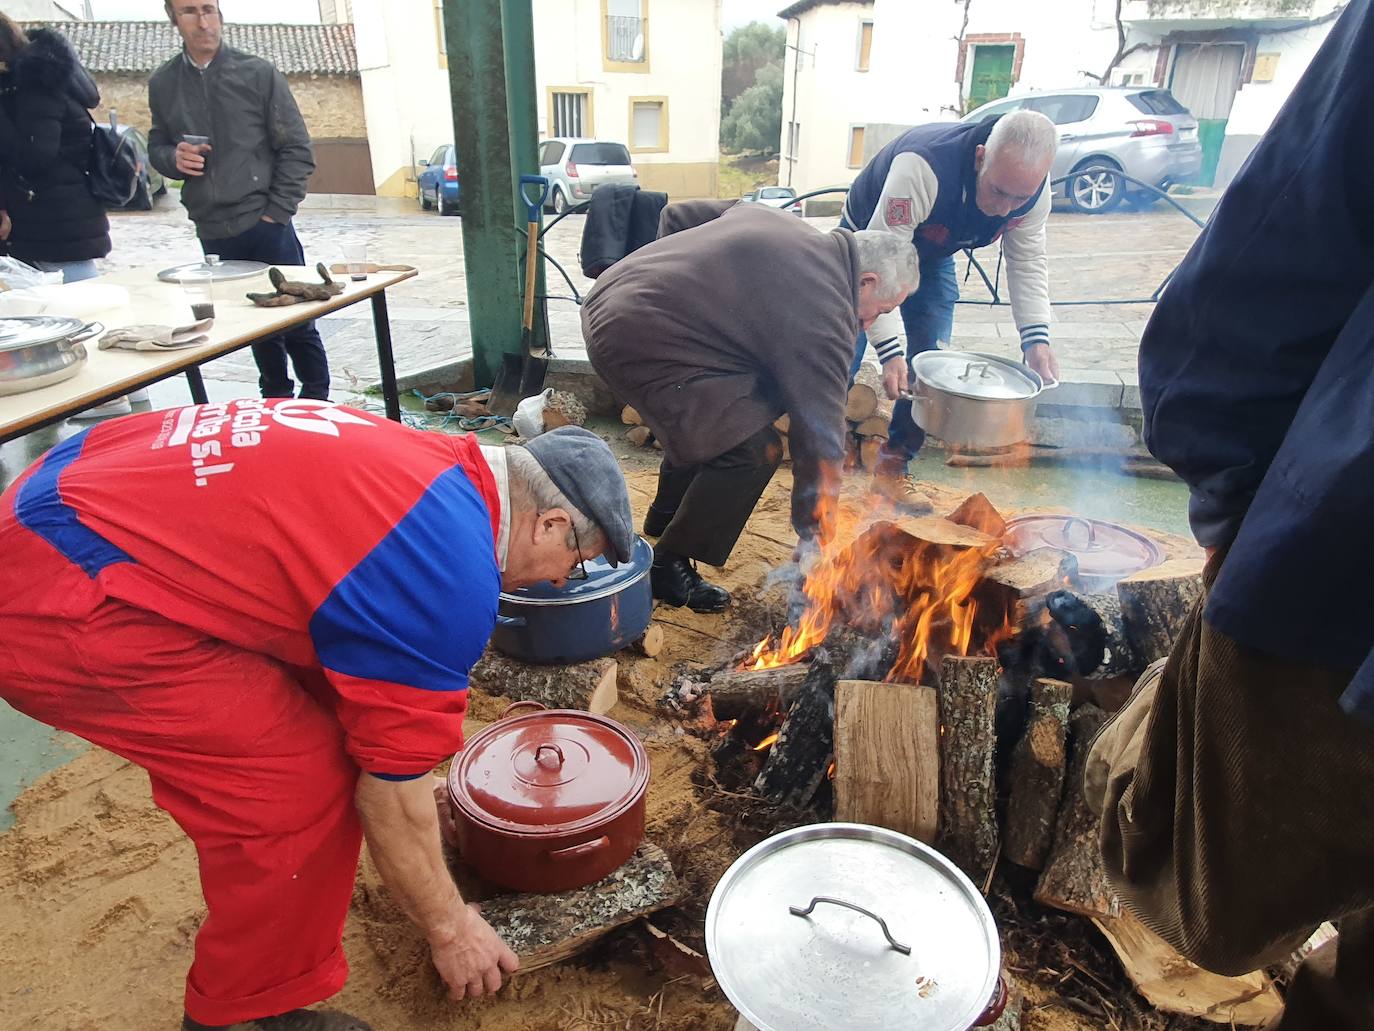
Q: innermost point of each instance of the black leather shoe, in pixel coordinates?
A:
(675, 581)
(655, 522)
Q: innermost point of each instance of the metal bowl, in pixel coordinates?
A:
(37, 351)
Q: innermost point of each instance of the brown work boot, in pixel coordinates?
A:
(902, 491)
(296, 1020)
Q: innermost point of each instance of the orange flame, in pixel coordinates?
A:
(766, 743)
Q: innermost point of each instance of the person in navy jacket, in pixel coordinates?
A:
(1237, 788)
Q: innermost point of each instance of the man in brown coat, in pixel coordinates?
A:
(738, 314)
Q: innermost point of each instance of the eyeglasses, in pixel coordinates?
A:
(206, 11)
(580, 573)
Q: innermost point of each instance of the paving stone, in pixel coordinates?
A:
(1086, 388)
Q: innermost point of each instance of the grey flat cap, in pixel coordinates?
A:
(583, 468)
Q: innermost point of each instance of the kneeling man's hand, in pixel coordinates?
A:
(895, 377)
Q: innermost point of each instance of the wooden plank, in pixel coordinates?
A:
(968, 794)
(547, 929)
(1037, 776)
(1074, 878)
(586, 685)
(887, 756)
(1173, 984)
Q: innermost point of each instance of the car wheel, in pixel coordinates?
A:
(1094, 189)
(439, 201)
(425, 205)
(560, 203)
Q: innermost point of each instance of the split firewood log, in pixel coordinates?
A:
(872, 377)
(887, 756)
(981, 514)
(737, 693)
(586, 685)
(1155, 602)
(630, 417)
(1037, 775)
(563, 409)
(968, 794)
(651, 643)
(875, 426)
(639, 436)
(869, 450)
(861, 404)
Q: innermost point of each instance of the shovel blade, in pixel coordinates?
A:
(505, 392)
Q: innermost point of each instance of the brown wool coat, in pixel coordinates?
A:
(735, 315)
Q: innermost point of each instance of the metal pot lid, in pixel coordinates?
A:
(1102, 549)
(975, 375)
(555, 771)
(29, 330)
(834, 969)
(218, 272)
(603, 579)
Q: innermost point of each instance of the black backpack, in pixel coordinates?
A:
(114, 167)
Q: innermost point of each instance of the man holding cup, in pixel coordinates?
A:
(226, 123)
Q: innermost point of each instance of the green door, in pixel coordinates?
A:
(991, 78)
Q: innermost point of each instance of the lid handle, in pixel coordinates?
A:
(553, 748)
(905, 950)
(1088, 530)
(985, 370)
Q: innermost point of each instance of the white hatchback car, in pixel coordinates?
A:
(575, 167)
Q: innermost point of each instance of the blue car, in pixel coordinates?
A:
(438, 181)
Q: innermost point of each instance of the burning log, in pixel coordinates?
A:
(968, 794)
(979, 513)
(940, 532)
(800, 757)
(1037, 776)
(547, 929)
(586, 685)
(1098, 633)
(1074, 878)
(1154, 604)
(887, 756)
(740, 693)
(1033, 574)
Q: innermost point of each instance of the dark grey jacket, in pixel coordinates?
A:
(261, 159)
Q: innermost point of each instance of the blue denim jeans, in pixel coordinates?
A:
(72, 271)
(277, 244)
(928, 315)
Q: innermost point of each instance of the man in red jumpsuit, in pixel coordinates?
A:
(272, 606)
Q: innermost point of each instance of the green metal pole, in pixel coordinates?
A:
(477, 85)
(522, 109)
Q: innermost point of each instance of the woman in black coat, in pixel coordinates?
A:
(45, 146)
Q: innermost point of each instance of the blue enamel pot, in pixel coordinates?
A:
(583, 619)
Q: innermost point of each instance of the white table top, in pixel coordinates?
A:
(151, 302)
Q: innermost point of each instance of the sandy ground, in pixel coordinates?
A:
(99, 899)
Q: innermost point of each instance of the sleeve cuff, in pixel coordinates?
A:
(888, 349)
(278, 214)
(397, 778)
(1032, 335)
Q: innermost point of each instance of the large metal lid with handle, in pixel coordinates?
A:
(215, 270)
(975, 375)
(973, 400)
(846, 927)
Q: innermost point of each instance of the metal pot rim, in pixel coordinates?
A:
(592, 594)
(62, 328)
(1030, 375)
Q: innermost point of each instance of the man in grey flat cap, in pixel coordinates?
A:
(279, 627)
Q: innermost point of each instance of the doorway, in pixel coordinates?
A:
(991, 76)
(1205, 79)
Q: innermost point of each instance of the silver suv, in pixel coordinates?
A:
(575, 167)
(1142, 131)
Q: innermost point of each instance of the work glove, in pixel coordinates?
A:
(156, 338)
(295, 292)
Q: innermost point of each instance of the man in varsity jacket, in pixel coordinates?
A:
(950, 186)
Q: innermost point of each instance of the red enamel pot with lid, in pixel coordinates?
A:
(549, 800)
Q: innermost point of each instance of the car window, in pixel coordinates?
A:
(437, 158)
(995, 110)
(553, 153)
(450, 156)
(776, 192)
(1156, 102)
(1064, 108)
(600, 154)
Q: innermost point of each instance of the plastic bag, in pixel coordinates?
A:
(528, 419)
(16, 275)
(79, 300)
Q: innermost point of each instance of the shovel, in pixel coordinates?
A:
(522, 375)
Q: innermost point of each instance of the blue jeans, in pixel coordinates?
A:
(928, 315)
(277, 244)
(72, 271)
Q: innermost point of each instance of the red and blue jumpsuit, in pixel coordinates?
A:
(254, 601)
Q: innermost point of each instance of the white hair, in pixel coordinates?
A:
(891, 258)
(1024, 136)
(531, 490)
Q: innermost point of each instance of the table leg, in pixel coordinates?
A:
(197, 385)
(381, 324)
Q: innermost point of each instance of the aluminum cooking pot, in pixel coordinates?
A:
(37, 351)
(550, 800)
(846, 927)
(973, 400)
(583, 619)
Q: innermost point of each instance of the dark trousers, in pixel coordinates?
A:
(1237, 804)
(709, 503)
(278, 244)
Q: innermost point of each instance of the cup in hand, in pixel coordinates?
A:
(355, 256)
(197, 287)
(201, 144)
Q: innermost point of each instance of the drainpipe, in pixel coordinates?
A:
(792, 134)
(490, 45)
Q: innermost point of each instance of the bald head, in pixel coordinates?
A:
(1014, 162)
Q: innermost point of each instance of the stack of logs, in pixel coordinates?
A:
(867, 414)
